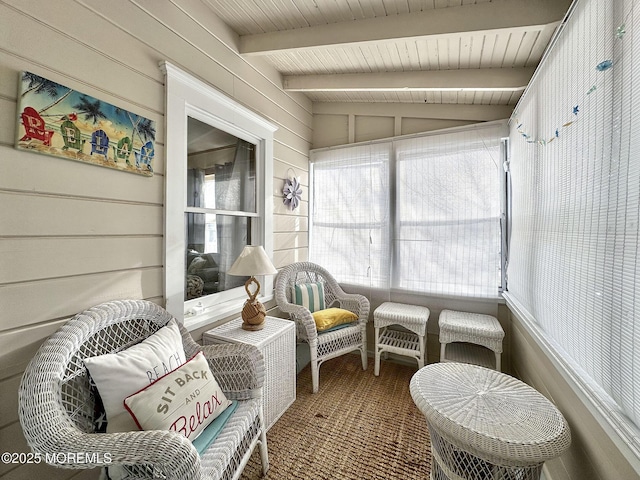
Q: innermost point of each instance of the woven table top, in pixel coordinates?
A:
(490, 414)
(402, 313)
(471, 323)
(232, 331)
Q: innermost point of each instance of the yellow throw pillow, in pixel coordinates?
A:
(332, 317)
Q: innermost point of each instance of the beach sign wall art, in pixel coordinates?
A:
(59, 121)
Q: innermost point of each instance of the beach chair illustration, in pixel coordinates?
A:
(34, 127)
(145, 156)
(123, 150)
(99, 143)
(71, 136)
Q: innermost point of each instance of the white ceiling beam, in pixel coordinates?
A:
(483, 80)
(485, 17)
(474, 113)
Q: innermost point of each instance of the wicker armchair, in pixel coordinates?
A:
(324, 345)
(59, 409)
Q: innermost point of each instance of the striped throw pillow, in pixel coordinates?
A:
(309, 295)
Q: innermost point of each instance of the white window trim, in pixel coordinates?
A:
(621, 432)
(392, 141)
(189, 96)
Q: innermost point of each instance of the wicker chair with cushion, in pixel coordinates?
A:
(61, 410)
(333, 342)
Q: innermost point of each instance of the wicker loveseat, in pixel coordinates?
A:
(60, 410)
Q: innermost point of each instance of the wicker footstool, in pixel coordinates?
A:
(465, 337)
(484, 424)
(411, 343)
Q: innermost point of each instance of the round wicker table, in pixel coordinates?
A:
(484, 424)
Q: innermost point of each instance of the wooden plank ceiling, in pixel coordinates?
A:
(470, 52)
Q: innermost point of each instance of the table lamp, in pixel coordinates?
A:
(253, 260)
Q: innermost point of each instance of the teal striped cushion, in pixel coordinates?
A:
(309, 295)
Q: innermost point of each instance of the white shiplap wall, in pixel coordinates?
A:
(73, 235)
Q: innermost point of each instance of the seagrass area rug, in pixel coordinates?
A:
(357, 427)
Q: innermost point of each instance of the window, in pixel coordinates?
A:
(574, 252)
(219, 157)
(221, 207)
(448, 209)
(420, 213)
(350, 228)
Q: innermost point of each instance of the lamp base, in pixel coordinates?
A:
(253, 315)
(252, 328)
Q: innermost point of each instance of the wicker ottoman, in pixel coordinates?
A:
(484, 424)
(411, 343)
(465, 337)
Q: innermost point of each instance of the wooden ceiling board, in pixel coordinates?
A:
(472, 46)
(244, 19)
(486, 53)
(359, 10)
(499, 50)
(286, 10)
(378, 9)
(522, 46)
(512, 49)
(427, 98)
(526, 46)
(540, 45)
(419, 5)
(309, 11)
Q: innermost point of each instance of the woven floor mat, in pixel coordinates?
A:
(357, 426)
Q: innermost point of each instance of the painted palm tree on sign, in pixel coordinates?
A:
(40, 85)
(147, 130)
(90, 110)
(144, 128)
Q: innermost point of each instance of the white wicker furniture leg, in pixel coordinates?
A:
(412, 343)
(485, 424)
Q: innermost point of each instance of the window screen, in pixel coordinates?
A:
(575, 172)
(350, 214)
(419, 214)
(447, 211)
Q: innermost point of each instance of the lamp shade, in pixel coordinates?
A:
(253, 260)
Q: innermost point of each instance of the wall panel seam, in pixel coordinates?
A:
(80, 275)
(84, 198)
(78, 81)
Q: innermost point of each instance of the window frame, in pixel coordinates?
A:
(187, 96)
(392, 284)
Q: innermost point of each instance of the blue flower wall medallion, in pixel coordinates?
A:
(292, 193)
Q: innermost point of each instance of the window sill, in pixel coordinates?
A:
(498, 299)
(215, 313)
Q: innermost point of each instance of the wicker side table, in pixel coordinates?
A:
(485, 424)
(412, 343)
(277, 343)
(462, 332)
